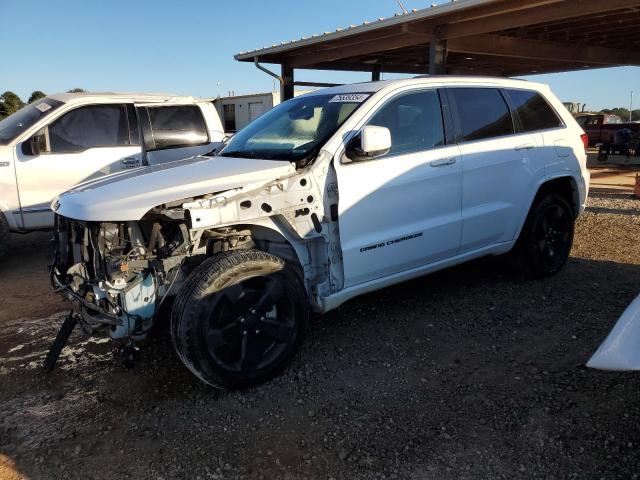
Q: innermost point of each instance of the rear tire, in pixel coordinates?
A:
(239, 318)
(546, 237)
(5, 236)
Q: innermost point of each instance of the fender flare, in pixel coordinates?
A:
(280, 227)
(536, 190)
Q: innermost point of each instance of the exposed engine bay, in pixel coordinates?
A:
(118, 274)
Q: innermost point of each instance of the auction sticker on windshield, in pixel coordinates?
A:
(350, 98)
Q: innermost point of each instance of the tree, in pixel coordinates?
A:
(37, 95)
(9, 103)
(76, 90)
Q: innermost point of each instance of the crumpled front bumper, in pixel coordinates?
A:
(88, 313)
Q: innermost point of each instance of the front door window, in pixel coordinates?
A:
(93, 126)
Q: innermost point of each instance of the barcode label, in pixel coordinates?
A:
(350, 98)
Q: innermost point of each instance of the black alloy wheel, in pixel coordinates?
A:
(546, 238)
(239, 318)
(250, 324)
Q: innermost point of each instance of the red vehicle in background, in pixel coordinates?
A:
(601, 128)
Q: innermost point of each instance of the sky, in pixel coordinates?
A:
(186, 47)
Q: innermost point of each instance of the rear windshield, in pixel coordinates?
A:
(14, 125)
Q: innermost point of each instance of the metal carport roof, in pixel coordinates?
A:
(475, 37)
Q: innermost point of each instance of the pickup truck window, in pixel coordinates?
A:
(178, 126)
(482, 113)
(532, 111)
(294, 130)
(12, 126)
(609, 119)
(582, 121)
(414, 120)
(89, 127)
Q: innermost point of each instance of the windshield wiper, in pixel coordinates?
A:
(239, 154)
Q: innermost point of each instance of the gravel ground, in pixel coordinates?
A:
(468, 373)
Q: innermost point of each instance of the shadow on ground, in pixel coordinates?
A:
(467, 373)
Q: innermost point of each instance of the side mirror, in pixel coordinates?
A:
(376, 141)
(371, 142)
(31, 147)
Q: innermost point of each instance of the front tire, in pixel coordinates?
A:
(239, 318)
(5, 236)
(546, 237)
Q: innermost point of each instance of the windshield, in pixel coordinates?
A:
(296, 129)
(15, 124)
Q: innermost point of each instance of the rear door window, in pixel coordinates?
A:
(482, 113)
(532, 111)
(89, 127)
(414, 120)
(177, 126)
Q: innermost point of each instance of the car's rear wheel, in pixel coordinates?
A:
(239, 318)
(546, 238)
(5, 236)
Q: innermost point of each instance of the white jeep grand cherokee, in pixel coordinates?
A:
(329, 195)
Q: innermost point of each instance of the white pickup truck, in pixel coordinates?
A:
(61, 140)
(329, 195)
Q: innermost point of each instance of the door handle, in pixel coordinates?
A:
(526, 146)
(130, 162)
(444, 161)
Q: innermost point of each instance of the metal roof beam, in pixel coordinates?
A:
(379, 45)
(532, 16)
(503, 46)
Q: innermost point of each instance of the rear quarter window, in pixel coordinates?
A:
(532, 111)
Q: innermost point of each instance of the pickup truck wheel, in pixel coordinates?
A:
(239, 318)
(546, 238)
(5, 236)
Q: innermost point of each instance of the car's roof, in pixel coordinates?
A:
(450, 80)
(118, 96)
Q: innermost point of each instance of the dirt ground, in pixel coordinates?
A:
(469, 373)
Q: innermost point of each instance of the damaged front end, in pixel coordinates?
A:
(114, 278)
(118, 273)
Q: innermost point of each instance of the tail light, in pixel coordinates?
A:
(585, 141)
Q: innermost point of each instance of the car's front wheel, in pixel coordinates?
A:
(239, 318)
(546, 237)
